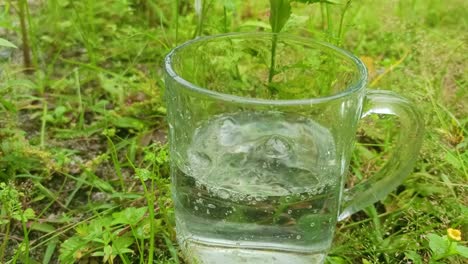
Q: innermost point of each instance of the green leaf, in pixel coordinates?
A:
(107, 253)
(70, 248)
(6, 43)
(143, 174)
(438, 245)
(10, 106)
(101, 184)
(415, 257)
(229, 4)
(316, 1)
(129, 216)
(121, 245)
(144, 228)
(453, 160)
(336, 260)
(128, 122)
(20, 83)
(280, 11)
(50, 251)
(172, 249)
(462, 250)
(24, 216)
(43, 227)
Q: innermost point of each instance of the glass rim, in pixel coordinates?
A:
(356, 86)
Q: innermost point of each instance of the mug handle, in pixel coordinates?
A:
(402, 160)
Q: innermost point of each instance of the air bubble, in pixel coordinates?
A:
(212, 206)
(223, 194)
(228, 134)
(298, 237)
(199, 159)
(277, 147)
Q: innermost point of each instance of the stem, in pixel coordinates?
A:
(80, 101)
(149, 197)
(225, 20)
(44, 123)
(2, 249)
(340, 28)
(200, 21)
(177, 21)
(24, 35)
(323, 15)
(329, 22)
(32, 39)
(82, 32)
(25, 242)
(274, 42)
(205, 7)
(116, 162)
(26, 239)
(142, 253)
(372, 212)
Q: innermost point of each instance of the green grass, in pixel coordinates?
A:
(83, 152)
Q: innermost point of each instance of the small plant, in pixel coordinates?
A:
(442, 247)
(108, 237)
(280, 12)
(11, 210)
(129, 235)
(446, 246)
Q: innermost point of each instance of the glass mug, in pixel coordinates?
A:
(259, 154)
